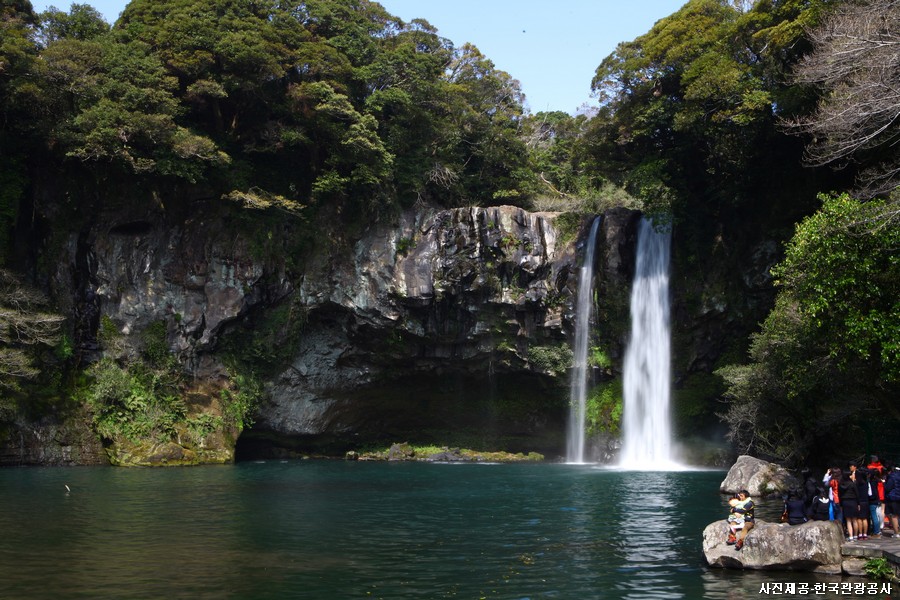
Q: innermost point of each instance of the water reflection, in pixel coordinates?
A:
(342, 530)
(647, 532)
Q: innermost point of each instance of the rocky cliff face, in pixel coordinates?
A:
(442, 326)
(447, 326)
(444, 323)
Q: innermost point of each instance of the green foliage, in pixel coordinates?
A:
(202, 425)
(553, 360)
(134, 403)
(567, 226)
(135, 400)
(688, 118)
(404, 245)
(18, 60)
(603, 410)
(13, 183)
(108, 332)
(258, 199)
(82, 22)
(691, 401)
(268, 340)
(596, 200)
(156, 346)
(423, 452)
(241, 400)
(827, 354)
(114, 104)
(17, 53)
(360, 164)
(64, 348)
(843, 269)
(879, 568)
(598, 358)
(330, 104)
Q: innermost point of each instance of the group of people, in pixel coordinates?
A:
(859, 498)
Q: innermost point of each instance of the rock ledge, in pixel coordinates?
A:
(813, 546)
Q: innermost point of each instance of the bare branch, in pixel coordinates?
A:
(856, 64)
(23, 325)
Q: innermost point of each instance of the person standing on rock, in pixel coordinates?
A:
(892, 496)
(832, 479)
(876, 500)
(745, 508)
(861, 476)
(849, 503)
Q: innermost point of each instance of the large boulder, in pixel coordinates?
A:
(813, 546)
(758, 477)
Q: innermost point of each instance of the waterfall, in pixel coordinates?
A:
(647, 436)
(583, 310)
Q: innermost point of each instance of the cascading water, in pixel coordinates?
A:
(583, 310)
(647, 436)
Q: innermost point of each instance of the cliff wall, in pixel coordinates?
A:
(443, 326)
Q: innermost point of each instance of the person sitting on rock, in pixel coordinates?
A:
(819, 506)
(810, 485)
(795, 509)
(735, 521)
(744, 507)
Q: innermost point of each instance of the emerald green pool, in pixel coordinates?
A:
(343, 530)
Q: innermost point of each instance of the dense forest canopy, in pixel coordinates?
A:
(356, 105)
(726, 116)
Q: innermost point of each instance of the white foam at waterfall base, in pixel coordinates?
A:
(583, 310)
(646, 422)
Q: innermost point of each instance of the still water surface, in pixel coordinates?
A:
(333, 530)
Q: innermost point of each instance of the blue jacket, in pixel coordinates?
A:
(892, 486)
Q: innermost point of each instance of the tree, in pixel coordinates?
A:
(550, 138)
(406, 95)
(357, 163)
(688, 110)
(485, 111)
(842, 266)
(126, 112)
(18, 56)
(82, 22)
(855, 64)
(26, 327)
(828, 355)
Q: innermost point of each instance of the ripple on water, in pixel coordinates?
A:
(315, 529)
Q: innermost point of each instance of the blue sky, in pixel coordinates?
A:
(551, 47)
